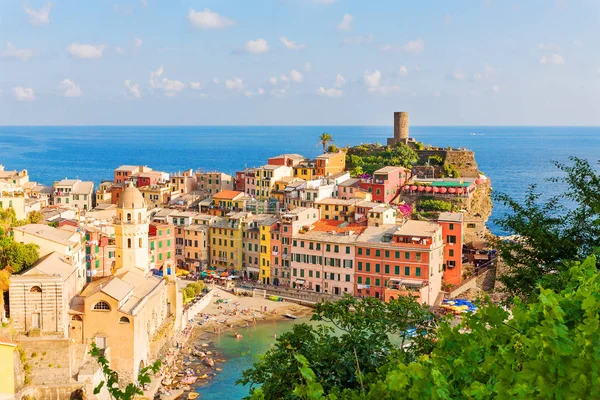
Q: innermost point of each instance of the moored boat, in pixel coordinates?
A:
(290, 316)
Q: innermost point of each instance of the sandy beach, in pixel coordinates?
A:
(225, 315)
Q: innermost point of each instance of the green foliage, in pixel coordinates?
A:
(548, 232)
(450, 171)
(332, 148)
(547, 350)
(428, 205)
(372, 158)
(112, 380)
(340, 358)
(16, 255)
(419, 146)
(436, 160)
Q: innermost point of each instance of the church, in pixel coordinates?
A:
(124, 313)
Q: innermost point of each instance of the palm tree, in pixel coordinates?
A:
(324, 140)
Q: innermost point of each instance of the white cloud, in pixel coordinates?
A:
(133, 89)
(554, 59)
(290, 44)
(436, 94)
(195, 85)
(448, 19)
(373, 82)
(340, 81)
(137, 42)
(235, 84)
(457, 75)
(346, 23)
(79, 50)
(403, 71)
(19, 54)
(488, 72)
(69, 88)
(296, 76)
(258, 92)
(548, 46)
(119, 51)
(329, 92)
(23, 93)
(168, 86)
(372, 79)
(279, 92)
(208, 19)
(144, 3)
(414, 46)
(577, 43)
(359, 40)
(307, 67)
(495, 88)
(273, 80)
(216, 80)
(257, 46)
(41, 16)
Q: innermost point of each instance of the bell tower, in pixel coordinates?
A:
(131, 232)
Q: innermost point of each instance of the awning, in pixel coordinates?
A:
(416, 238)
(481, 256)
(363, 286)
(300, 281)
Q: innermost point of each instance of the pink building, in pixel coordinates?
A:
(289, 160)
(292, 222)
(323, 258)
(385, 183)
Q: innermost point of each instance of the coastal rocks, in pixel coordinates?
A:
(208, 361)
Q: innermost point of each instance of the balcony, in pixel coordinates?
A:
(275, 253)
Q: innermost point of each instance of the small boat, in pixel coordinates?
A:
(193, 396)
(290, 316)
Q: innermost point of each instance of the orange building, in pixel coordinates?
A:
(124, 172)
(331, 163)
(394, 260)
(452, 234)
(161, 240)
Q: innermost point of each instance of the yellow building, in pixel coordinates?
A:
(226, 241)
(337, 209)
(265, 249)
(7, 368)
(331, 163)
(306, 170)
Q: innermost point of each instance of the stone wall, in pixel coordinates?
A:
(463, 160)
(50, 360)
(53, 392)
(295, 295)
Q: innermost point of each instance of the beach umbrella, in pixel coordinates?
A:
(421, 188)
(406, 187)
(479, 181)
(436, 190)
(459, 191)
(452, 190)
(224, 274)
(443, 190)
(413, 188)
(428, 189)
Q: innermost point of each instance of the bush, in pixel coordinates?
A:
(451, 171)
(434, 205)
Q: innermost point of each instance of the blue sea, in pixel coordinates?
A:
(513, 157)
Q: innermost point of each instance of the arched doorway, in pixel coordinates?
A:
(76, 329)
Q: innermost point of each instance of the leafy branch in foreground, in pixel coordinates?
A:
(112, 378)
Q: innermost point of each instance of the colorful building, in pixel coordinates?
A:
(289, 160)
(161, 244)
(394, 260)
(214, 182)
(74, 193)
(227, 201)
(124, 172)
(337, 209)
(452, 234)
(323, 258)
(226, 241)
(7, 368)
(195, 242)
(386, 183)
(148, 178)
(266, 176)
(156, 195)
(306, 170)
(99, 253)
(331, 163)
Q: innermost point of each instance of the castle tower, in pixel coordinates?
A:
(131, 232)
(401, 127)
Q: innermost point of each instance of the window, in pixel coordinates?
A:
(367, 281)
(397, 254)
(101, 306)
(168, 242)
(471, 226)
(328, 247)
(347, 249)
(397, 270)
(418, 256)
(418, 271)
(301, 273)
(360, 266)
(407, 271)
(310, 273)
(387, 254)
(123, 320)
(347, 278)
(160, 244)
(129, 243)
(377, 281)
(359, 279)
(368, 267)
(368, 252)
(387, 269)
(377, 253)
(451, 253)
(140, 242)
(294, 272)
(359, 251)
(168, 255)
(451, 227)
(310, 246)
(36, 289)
(451, 239)
(377, 268)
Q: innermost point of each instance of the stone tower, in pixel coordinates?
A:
(400, 128)
(131, 232)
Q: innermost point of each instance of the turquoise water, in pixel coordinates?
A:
(514, 157)
(240, 355)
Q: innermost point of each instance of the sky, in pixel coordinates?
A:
(299, 62)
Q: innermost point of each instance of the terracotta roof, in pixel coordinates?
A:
(226, 194)
(326, 225)
(7, 342)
